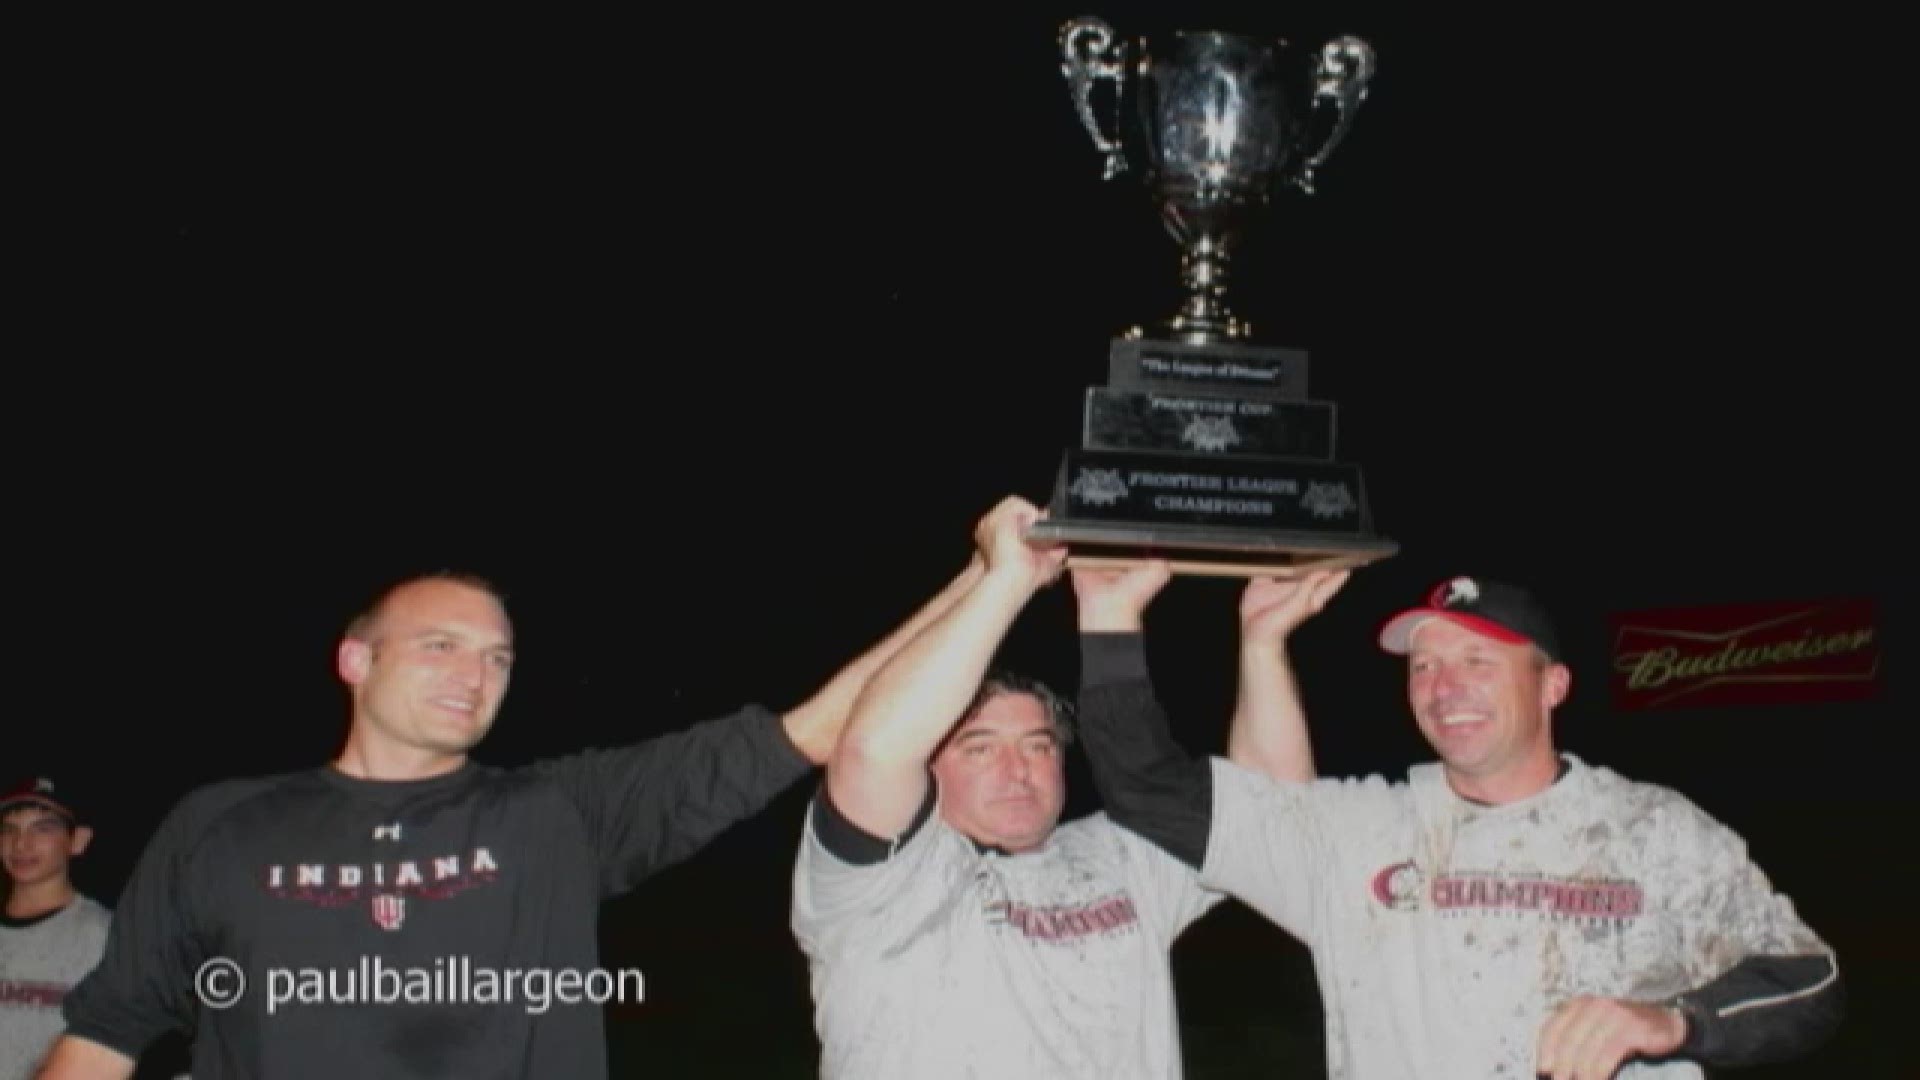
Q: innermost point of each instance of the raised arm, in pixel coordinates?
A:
(1148, 783)
(815, 725)
(1269, 732)
(877, 774)
(1249, 837)
(651, 804)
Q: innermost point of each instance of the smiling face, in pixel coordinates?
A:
(1001, 777)
(1486, 706)
(428, 673)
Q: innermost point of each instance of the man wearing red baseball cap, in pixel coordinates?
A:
(1489, 722)
(1507, 910)
(50, 934)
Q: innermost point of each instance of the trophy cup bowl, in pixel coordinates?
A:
(1220, 132)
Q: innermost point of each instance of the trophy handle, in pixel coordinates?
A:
(1090, 54)
(1341, 77)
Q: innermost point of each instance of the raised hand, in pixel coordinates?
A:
(1272, 608)
(1001, 539)
(1115, 600)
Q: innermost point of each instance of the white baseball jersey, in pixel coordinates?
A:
(944, 960)
(1445, 932)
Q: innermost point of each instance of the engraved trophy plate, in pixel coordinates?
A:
(1242, 370)
(1204, 448)
(1180, 489)
(1206, 424)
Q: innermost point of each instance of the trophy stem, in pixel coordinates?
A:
(1205, 318)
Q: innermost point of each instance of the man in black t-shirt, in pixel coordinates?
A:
(404, 910)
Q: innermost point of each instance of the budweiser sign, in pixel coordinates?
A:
(1745, 654)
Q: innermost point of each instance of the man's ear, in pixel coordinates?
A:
(353, 660)
(1557, 684)
(77, 843)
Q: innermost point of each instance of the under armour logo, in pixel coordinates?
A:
(387, 832)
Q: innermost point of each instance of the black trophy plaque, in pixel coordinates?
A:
(1228, 469)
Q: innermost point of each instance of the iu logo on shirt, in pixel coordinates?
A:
(389, 910)
(386, 885)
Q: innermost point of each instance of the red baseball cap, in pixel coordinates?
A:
(1498, 609)
(38, 791)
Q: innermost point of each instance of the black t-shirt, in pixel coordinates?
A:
(447, 926)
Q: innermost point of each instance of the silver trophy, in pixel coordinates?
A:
(1220, 134)
(1204, 447)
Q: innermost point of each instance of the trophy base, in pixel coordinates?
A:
(1209, 550)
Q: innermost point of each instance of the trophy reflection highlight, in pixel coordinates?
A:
(1220, 135)
(1204, 448)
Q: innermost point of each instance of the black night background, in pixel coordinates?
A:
(708, 334)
